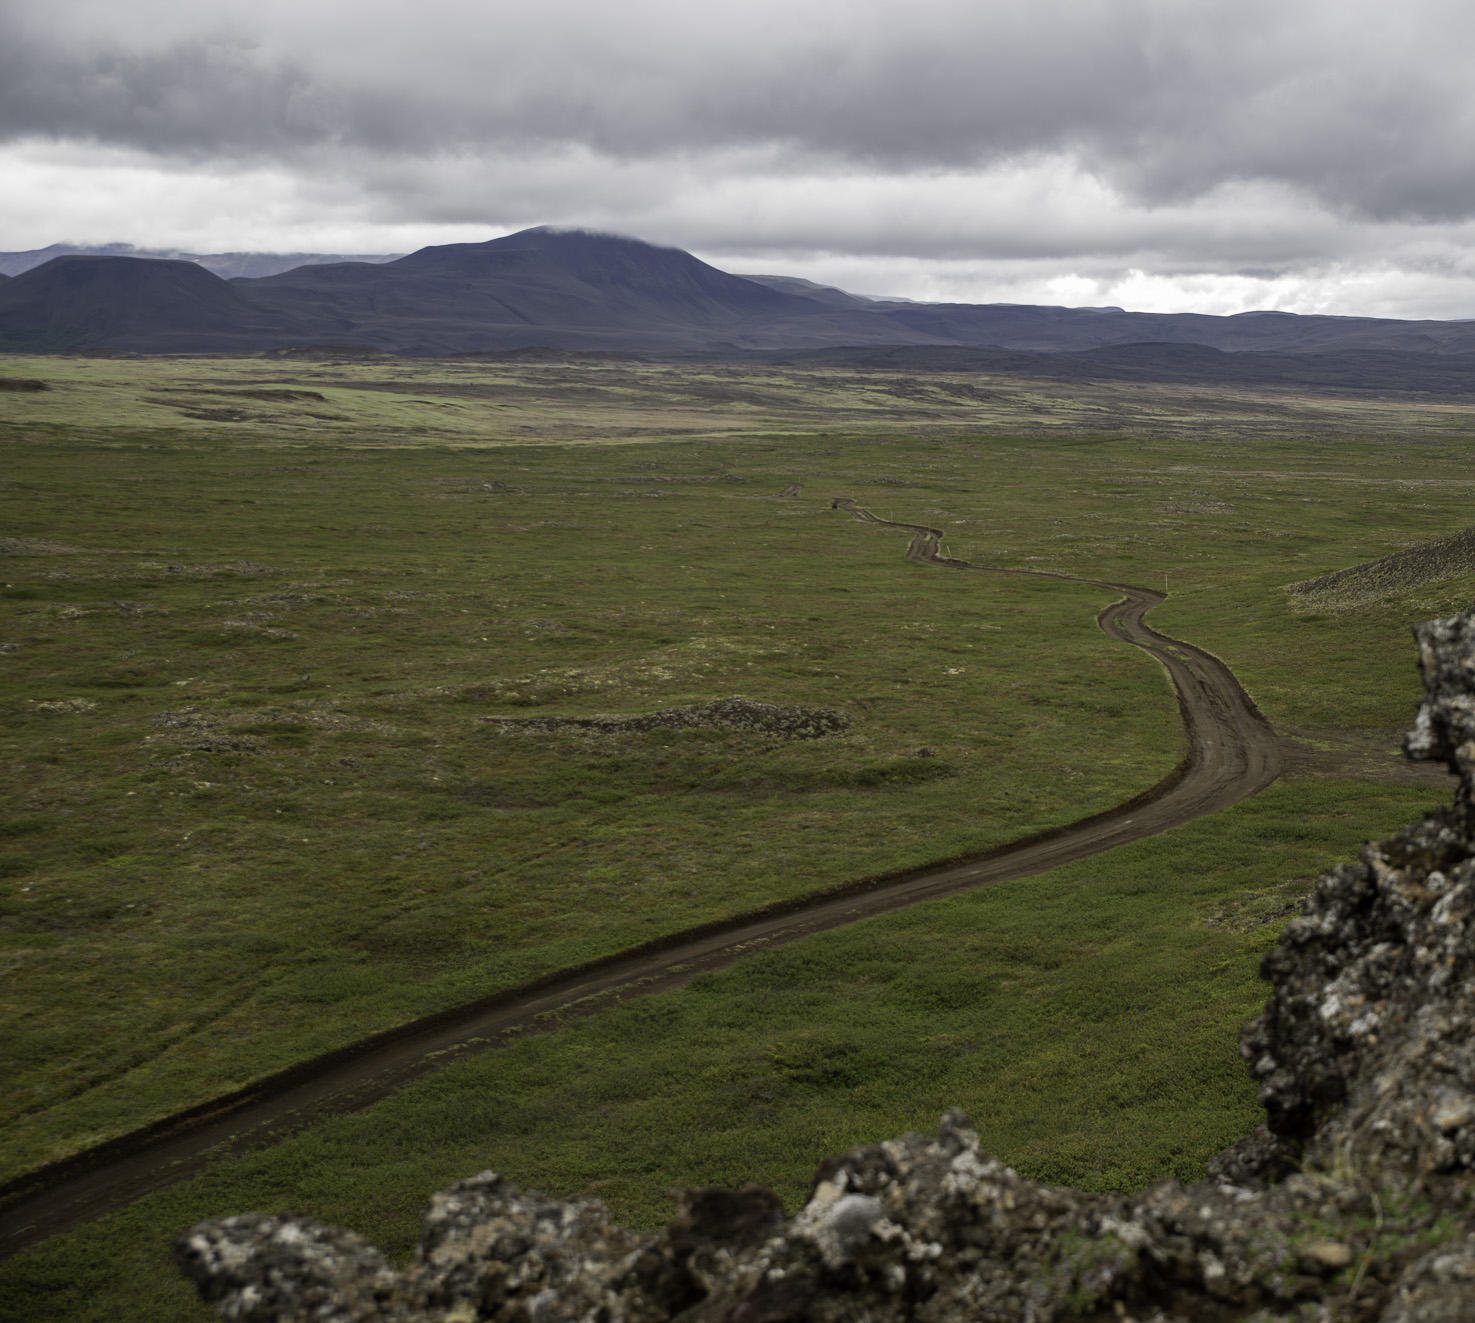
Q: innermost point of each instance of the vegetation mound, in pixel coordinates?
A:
(1428, 562)
(793, 723)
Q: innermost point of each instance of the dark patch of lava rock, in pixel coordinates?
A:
(1352, 1202)
(795, 723)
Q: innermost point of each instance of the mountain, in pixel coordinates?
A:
(225, 265)
(561, 290)
(556, 288)
(564, 289)
(127, 303)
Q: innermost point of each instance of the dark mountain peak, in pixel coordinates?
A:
(565, 236)
(570, 247)
(597, 261)
(135, 302)
(76, 269)
(602, 258)
(73, 282)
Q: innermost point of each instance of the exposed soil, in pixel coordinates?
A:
(1233, 752)
(1358, 755)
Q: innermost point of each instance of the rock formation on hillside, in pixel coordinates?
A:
(1352, 1202)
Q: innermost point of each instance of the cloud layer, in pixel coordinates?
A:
(1173, 149)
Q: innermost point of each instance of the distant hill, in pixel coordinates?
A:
(1025, 326)
(574, 290)
(125, 303)
(1192, 364)
(225, 265)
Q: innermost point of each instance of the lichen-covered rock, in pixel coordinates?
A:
(918, 1228)
(1367, 1045)
(257, 1267)
(1352, 1204)
(1259, 1159)
(1439, 1287)
(1444, 730)
(490, 1251)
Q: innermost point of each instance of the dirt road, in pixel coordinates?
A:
(1232, 753)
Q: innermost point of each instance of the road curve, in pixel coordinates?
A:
(1232, 753)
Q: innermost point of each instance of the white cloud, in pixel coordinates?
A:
(86, 193)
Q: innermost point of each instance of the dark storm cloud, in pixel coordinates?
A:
(194, 95)
(1365, 106)
(1213, 154)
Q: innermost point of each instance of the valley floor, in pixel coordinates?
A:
(259, 810)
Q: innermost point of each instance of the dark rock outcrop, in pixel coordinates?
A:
(1352, 1202)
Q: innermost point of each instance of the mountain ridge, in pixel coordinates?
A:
(581, 290)
(224, 265)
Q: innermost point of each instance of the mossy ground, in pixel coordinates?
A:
(1085, 1019)
(257, 808)
(256, 812)
(409, 402)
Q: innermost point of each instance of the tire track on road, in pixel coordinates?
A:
(1232, 754)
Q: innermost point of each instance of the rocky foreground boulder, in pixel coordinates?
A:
(1352, 1202)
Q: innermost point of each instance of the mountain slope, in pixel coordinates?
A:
(126, 303)
(567, 290)
(827, 294)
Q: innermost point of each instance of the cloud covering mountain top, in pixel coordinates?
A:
(1319, 153)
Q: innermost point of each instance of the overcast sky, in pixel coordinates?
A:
(1155, 154)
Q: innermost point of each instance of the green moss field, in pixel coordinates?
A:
(258, 803)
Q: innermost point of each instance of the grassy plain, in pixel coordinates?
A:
(391, 401)
(258, 811)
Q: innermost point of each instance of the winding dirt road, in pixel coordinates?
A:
(1232, 753)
